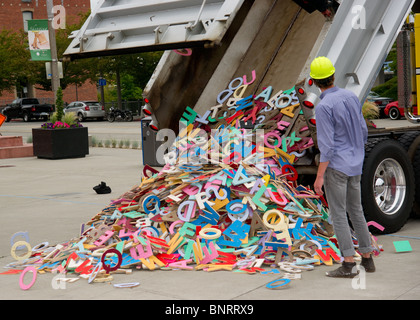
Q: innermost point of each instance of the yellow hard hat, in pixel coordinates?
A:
(321, 68)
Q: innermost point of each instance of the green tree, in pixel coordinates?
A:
(140, 66)
(129, 89)
(15, 67)
(128, 73)
(388, 89)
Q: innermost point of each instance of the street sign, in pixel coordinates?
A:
(102, 82)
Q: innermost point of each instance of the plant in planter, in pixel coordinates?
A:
(62, 136)
(66, 121)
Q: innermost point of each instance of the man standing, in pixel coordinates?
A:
(341, 135)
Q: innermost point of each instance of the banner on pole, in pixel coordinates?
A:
(38, 37)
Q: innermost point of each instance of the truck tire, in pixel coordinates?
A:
(26, 117)
(416, 164)
(387, 184)
(407, 140)
(411, 142)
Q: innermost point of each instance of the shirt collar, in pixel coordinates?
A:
(330, 90)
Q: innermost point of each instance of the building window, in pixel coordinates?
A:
(26, 0)
(27, 15)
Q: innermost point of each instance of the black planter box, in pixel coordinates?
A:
(60, 143)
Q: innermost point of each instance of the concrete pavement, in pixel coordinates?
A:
(50, 199)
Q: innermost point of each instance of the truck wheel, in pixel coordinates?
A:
(416, 164)
(26, 117)
(394, 113)
(411, 142)
(387, 184)
(407, 140)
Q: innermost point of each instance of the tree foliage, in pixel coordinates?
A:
(388, 89)
(15, 66)
(135, 71)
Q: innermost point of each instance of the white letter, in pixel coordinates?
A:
(359, 282)
(61, 16)
(56, 282)
(359, 20)
(212, 309)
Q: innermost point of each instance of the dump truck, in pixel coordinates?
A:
(212, 46)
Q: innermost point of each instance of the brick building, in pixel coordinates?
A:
(13, 16)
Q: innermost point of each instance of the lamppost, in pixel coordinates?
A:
(55, 78)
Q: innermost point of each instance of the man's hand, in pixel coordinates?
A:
(319, 182)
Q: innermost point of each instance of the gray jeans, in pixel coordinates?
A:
(344, 197)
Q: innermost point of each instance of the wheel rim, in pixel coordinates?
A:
(389, 186)
(393, 114)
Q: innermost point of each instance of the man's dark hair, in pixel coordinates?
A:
(324, 83)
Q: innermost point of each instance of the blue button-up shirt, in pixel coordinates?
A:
(341, 131)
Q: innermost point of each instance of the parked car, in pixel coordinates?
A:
(27, 109)
(394, 111)
(381, 102)
(86, 109)
(376, 98)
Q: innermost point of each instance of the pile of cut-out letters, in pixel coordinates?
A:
(227, 199)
